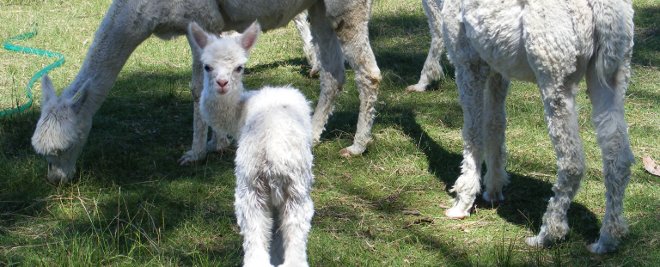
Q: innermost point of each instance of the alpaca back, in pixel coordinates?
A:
(275, 136)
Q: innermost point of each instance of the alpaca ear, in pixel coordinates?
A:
(76, 102)
(198, 35)
(249, 36)
(47, 90)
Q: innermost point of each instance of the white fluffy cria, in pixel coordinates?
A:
(273, 129)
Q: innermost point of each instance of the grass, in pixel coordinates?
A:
(133, 205)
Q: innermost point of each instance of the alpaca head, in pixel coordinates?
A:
(223, 58)
(60, 132)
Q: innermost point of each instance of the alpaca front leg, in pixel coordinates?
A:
(296, 218)
(471, 80)
(354, 36)
(494, 137)
(612, 135)
(200, 128)
(561, 117)
(332, 68)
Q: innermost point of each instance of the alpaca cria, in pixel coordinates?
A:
(339, 27)
(432, 70)
(493, 41)
(273, 161)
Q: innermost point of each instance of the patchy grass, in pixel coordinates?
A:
(133, 205)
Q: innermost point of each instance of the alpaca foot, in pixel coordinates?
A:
(457, 213)
(314, 72)
(603, 245)
(218, 144)
(416, 88)
(190, 157)
(539, 241)
(492, 197)
(350, 151)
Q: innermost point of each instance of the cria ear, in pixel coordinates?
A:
(80, 96)
(47, 90)
(249, 36)
(198, 35)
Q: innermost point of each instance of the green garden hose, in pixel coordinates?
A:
(34, 51)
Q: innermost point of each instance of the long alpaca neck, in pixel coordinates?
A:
(121, 31)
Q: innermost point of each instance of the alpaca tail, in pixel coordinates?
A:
(613, 33)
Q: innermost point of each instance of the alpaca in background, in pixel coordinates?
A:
(339, 28)
(432, 70)
(274, 158)
(554, 44)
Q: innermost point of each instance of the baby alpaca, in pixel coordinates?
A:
(274, 158)
(491, 42)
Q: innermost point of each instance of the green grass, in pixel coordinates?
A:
(133, 205)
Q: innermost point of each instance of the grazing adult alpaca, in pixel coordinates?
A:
(339, 27)
(274, 156)
(493, 41)
(432, 70)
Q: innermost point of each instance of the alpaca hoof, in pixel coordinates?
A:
(415, 88)
(534, 241)
(492, 198)
(314, 72)
(603, 245)
(190, 157)
(456, 213)
(351, 151)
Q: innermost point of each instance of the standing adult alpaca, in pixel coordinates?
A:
(493, 41)
(339, 27)
(274, 156)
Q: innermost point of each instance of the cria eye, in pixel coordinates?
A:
(239, 68)
(207, 68)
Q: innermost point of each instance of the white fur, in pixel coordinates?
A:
(273, 160)
(432, 70)
(339, 27)
(553, 43)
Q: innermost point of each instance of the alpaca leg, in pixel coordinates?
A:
(200, 128)
(612, 135)
(255, 221)
(471, 80)
(353, 32)
(432, 69)
(494, 136)
(332, 68)
(296, 217)
(310, 50)
(560, 113)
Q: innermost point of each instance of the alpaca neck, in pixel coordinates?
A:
(114, 41)
(224, 112)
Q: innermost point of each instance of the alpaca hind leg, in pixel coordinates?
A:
(296, 217)
(612, 135)
(353, 32)
(471, 80)
(255, 221)
(332, 68)
(432, 70)
(309, 48)
(494, 136)
(561, 117)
